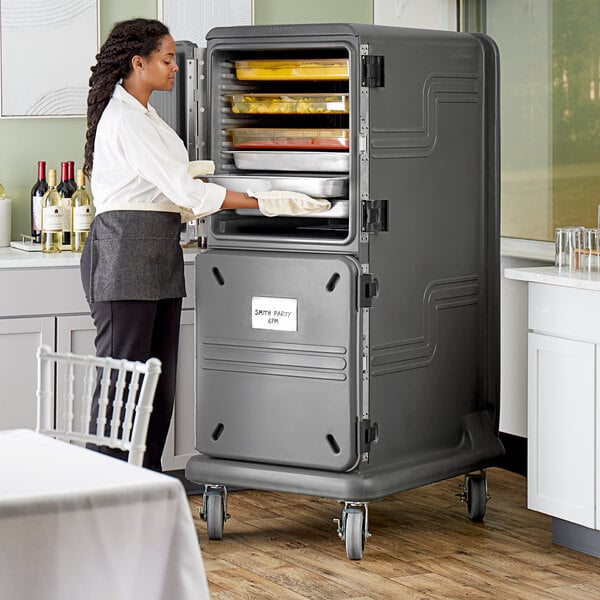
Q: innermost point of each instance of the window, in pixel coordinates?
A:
(550, 111)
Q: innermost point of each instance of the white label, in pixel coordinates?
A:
(36, 203)
(52, 219)
(66, 214)
(279, 314)
(82, 218)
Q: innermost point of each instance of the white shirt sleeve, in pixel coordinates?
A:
(140, 160)
(146, 143)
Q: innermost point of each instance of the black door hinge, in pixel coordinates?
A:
(372, 71)
(374, 215)
(369, 433)
(369, 288)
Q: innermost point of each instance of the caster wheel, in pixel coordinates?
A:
(215, 516)
(476, 497)
(355, 534)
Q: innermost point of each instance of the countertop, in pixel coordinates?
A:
(12, 258)
(533, 249)
(553, 276)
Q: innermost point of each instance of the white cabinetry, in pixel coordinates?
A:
(19, 339)
(563, 432)
(42, 302)
(563, 402)
(180, 444)
(75, 333)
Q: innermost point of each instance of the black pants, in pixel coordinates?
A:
(138, 330)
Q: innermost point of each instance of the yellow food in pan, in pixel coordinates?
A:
(273, 70)
(300, 139)
(276, 104)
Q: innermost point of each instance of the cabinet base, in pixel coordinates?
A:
(577, 537)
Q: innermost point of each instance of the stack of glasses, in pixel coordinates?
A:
(578, 249)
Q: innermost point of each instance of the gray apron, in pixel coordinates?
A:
(133, 255)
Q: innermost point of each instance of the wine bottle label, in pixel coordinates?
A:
(82, 218)
(52, 219)
(66, 214)
(36, 212)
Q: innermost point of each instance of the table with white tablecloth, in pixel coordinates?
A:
(77, 524)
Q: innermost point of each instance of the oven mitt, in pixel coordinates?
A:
(187, 214)
(200, 168)
(276, 203)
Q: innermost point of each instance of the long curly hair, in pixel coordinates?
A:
(127, 39)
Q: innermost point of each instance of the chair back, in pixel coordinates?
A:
(65, 390)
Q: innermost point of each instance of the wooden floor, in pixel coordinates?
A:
(280, 546)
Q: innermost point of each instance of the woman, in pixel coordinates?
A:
(132, 263)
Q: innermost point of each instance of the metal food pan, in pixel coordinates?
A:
(338, 210)
(313, 69)
(289, 104)
(317, 187)
(263, 160)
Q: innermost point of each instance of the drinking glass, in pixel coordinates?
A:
(592, 250)
(567, 245)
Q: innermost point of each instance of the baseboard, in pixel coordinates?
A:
(577, 537)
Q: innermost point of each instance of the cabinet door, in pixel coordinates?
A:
(561, 428)
(19, 339)
(180, 446)
(75, 334)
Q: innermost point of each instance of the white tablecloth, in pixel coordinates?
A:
(76, 524)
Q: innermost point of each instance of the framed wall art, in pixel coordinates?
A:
(46, 50)
(190, 19)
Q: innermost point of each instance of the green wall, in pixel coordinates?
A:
(268, 12)
(24, 141)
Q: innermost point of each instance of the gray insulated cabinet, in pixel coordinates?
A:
(353, 353)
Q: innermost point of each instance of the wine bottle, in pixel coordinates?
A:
(38, 190)
(52, 216)
(71, 176)
(65, 191)
(63, 176)
(81, 214)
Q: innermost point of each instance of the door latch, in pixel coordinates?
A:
(372, 71)
(374, 216)
(369, 434)
(369, 288)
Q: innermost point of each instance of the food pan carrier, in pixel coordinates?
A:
(354, 357)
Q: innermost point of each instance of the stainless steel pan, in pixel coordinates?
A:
(316, 187)
(267, 160)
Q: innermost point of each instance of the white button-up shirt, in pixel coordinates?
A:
(139, 159)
